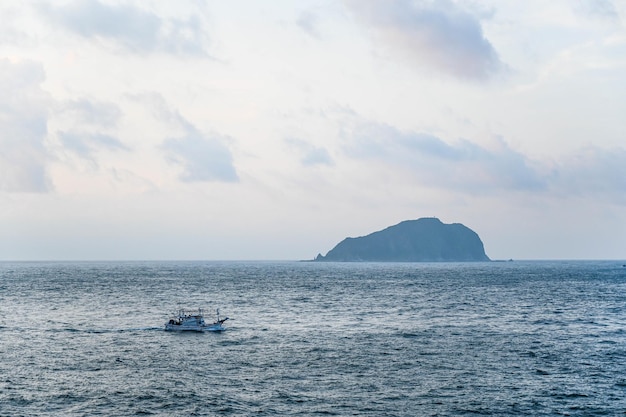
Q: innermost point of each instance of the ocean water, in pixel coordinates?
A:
(356, 339)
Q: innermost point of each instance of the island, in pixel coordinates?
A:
(421, 240)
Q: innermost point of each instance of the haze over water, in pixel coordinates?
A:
(515, 338)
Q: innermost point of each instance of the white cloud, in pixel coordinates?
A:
(132, 28)
(310, 154)
(86, 144)
(23, 127)
(463, 166)
(91, 112)
(203, 157)
(469, 168)
(9, 32)
(308, 21)
(593, 172)
(433, 35)
(598, 9)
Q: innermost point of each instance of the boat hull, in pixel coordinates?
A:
(183, 328)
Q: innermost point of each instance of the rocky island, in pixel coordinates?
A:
(421, 240)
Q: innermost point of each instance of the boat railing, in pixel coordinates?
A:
(188, 312)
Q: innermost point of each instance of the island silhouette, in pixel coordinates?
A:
(422, 240)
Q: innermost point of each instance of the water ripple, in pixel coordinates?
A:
(542, 338)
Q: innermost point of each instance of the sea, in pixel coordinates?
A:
(522, 338)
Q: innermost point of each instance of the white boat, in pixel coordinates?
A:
(186, 320)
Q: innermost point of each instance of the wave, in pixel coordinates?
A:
(79, 330)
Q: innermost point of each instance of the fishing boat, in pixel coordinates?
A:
(193, 321)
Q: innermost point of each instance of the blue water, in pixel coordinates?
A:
(513, 338)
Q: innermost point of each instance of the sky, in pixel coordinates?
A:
(272, 130)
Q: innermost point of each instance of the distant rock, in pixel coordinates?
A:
(421, 240)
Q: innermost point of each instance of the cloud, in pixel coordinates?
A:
(202, 157)
(310, 155)
(91, 112)
(86, 144)
(308, 22)
(462, 166)
(467, 167)
(86, 120)
(23, 127)
(130, 27)
(598, 9)
(593, 171)
(317, 156)
(9, 32)
(433, 35)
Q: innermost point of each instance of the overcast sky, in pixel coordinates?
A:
(274, 129)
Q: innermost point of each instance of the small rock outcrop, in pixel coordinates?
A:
(421, 240)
